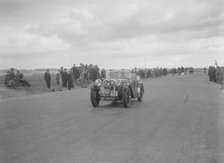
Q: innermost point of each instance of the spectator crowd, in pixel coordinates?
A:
(216, 74)
(81, 76)
(160, 72)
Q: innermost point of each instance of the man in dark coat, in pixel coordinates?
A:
(211, 73)
(11, 74)
(222, 77)
(75, 71)
(47, 78)
(70, 80)
(103, 74)
(72, 77)
(62, 76)
(65, 77)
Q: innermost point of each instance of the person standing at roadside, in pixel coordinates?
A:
(76, 73)
(58, 80)
(222, 77)
(47, 78)
(103, 74)
(62, 76)
(65, 78)
(73, 78)
(70, 79)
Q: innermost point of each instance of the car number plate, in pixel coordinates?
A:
(113, 93)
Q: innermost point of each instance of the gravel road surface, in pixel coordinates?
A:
(181, 120)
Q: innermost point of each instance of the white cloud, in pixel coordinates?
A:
(13, 40)
(167, 31)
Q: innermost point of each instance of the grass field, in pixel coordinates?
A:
(36, 80)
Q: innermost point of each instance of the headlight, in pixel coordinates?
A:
(117, 82)
(125, 84)
(98, 82)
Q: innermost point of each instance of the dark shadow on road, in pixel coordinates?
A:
(117, 105)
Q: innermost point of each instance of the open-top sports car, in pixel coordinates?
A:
(119, 85)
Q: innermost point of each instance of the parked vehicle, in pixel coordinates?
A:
(119, 85)
(191, 70)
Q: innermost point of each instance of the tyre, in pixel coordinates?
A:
(95, 98)
(126, 98)
(141, 95)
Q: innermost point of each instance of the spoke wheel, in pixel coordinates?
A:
(126, 98)
(95, 99)
(141, 96)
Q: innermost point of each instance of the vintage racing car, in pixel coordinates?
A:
(119, 85)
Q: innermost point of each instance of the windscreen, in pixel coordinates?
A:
(118, 74)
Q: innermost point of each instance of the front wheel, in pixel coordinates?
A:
(95, 99)
(141, 93)
(126, 98)
(141, 96)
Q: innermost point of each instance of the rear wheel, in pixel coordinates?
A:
(95, 98)
(126, 98)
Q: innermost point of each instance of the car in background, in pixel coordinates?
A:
(191, 70)
(119, 85)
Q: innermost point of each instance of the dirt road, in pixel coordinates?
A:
(181, 120)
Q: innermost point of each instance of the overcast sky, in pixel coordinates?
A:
(111, 33)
